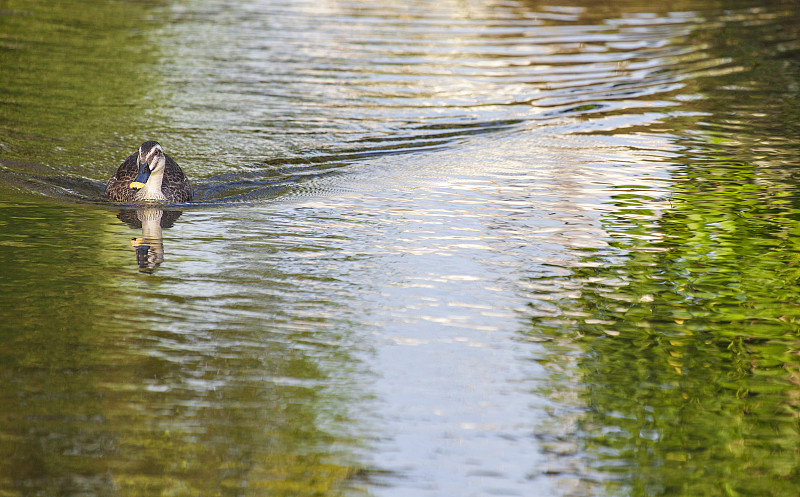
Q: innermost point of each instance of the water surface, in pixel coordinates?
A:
(438, 248)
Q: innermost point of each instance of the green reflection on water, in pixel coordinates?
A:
(78, 77)
(689, 345)
(685, 334)
(98, 397)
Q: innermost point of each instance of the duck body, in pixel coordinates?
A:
(149, 176)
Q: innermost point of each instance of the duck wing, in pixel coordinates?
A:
(118, 186)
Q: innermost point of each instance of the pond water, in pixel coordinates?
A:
(454, 248)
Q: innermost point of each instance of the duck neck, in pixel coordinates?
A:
(152, 189)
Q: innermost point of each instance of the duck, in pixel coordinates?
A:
(149, 176)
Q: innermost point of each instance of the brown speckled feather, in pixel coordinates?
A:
(175, 186)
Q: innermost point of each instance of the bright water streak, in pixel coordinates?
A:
(461, 267)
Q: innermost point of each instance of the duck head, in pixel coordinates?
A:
(151, 160)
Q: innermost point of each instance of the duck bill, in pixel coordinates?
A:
(141, 179)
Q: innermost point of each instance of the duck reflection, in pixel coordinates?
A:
(149, 247)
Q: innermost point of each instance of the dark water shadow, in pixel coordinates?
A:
(266, 180)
